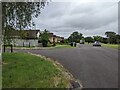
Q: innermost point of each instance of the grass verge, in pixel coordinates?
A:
(23, 70)
(114, 46)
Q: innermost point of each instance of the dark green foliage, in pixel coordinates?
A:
(44, 38)
(118, 38)
(89, 39)
(66, 41)
(104, 40)
(113, 38)
(7, 37)
(19, 14)
(44, 43)
(75, 37)
(97, 38)
(109, 34)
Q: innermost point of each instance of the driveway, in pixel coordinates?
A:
(95, 67)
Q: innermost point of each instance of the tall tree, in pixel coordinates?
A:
(111, 37)
(118, 38)
(75, 37)
(19, 15)
(45, 38)
(97, 38)
(109, 33)
(89, 39)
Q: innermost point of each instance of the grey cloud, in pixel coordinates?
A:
(64, 18)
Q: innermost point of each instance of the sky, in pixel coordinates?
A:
(89, 17)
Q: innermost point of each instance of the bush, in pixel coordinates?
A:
(44, 43)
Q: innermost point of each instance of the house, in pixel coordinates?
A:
(55, 38)
(59, 39)
(51, 37)
(24, 37)
(31, 37)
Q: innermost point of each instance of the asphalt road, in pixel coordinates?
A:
(95, 67)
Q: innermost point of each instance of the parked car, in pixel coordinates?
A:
(96, 43)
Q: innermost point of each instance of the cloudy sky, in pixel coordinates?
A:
(89, 18)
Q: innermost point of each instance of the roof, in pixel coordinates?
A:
(29, 34)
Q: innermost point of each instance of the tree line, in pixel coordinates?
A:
(111, 38)
(19, 16)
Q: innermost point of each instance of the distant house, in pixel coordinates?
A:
(51, 37)
(31, 38)
(25, 37)
(55, 38)
(59, 39)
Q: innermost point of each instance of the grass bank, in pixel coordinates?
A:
(23, 70)
(114, 46)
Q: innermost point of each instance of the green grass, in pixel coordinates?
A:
(23, 70)
(115, 46)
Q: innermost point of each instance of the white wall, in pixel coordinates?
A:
(19, 42)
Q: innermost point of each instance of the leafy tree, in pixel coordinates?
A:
(75, 37)
(89, 39)
(7, 35)
(118, 38)
(109, 34)
(111, 37)
(18, 15)
(45, 38)
(65, 41)
(97, 38)
(104, 40)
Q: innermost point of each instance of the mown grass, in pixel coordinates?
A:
(23, 70)
(115, 46)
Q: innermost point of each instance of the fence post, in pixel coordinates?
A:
(11, 48)
(4, 47)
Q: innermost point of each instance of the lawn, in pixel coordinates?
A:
(115, 46)
(23, 70)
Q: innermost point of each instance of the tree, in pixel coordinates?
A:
(7, 35)
(110, 33)
(118, 38)
(45, 38)
(75, 37)
(111, 37)
(89, 39)
(97, 38)
(104, 40)
(18, 15)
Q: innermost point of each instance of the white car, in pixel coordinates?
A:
(96, 43)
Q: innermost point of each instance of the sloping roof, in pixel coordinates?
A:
(30, 34)
(51, 34)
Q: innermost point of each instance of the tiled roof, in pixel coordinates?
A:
(29, 33)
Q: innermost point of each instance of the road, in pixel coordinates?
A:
(95, 67)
